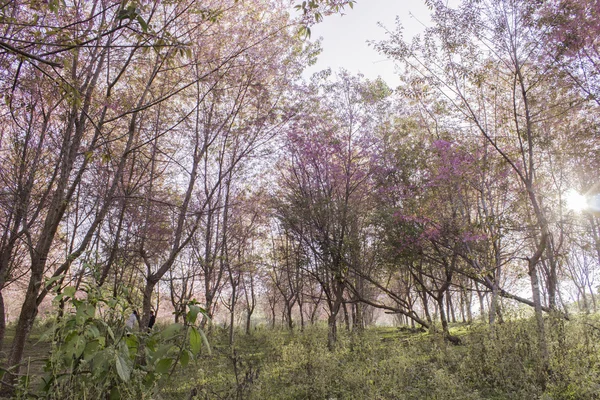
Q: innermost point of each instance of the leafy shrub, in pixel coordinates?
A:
(94, 356)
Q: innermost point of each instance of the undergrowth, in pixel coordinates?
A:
(386, 363)
(378, 363)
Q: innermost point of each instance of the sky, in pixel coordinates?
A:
(345, 36)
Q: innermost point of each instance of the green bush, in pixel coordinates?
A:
(94, 356)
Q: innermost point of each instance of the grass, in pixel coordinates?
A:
(386, 363)
(389, 363)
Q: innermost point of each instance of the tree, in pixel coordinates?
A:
(324, 184)
(77, 115)
(100, 98)
(487, 59)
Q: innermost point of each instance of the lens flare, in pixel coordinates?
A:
(576, 201)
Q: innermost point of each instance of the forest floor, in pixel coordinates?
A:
(35, 354)
(399, 363)
(383, 363)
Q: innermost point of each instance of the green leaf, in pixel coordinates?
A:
(171, 331)
(92, 331)
(195, 341)
(110, 332)
(185, 358)
(48, 382)
(69, 291)
(123, 350)
(84, 311)
(205, 340)
(51, 281)
(149, 380)
(80, 345)
(115, 394)
(192, 315)
(151, 344)
(163, 365)
(162, 351)
(100, 362)
(123, 368)
(132, 344)
(142, 23)
(91, 348)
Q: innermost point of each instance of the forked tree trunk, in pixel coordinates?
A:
(332, 323)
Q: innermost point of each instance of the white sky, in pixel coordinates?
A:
(345, 36)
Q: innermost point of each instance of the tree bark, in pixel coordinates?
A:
(2, 321)
(541, 330)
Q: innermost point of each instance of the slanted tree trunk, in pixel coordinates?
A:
(444, 320)
(425, 302)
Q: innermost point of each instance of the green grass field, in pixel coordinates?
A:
(387, 363)
(379, 363)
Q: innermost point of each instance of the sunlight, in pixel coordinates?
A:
(575, 201)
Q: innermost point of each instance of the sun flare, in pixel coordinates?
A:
(576, 201)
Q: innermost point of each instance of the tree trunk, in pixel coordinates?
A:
(248, 321)
(2, 321)
(450, 307)
(358, 320)
(314, 311)
(593, 297)
(232, 314)
(426, 309)
(468, 305)
(147, 302)
(462, 307)
(208, 304)
(581, 292)
(332, 329)
(444, 320)
(539, 317)
(346, 317)
(289, 309)
(481, 303)
(25, 323)
(301, 308)
(273, 316)
(493, 304)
